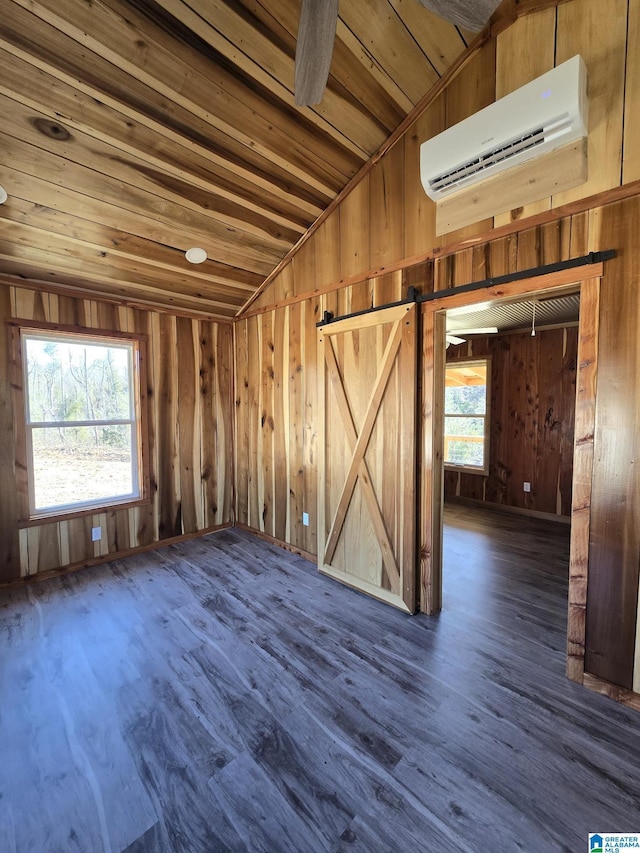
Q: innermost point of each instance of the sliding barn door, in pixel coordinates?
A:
(367, 511)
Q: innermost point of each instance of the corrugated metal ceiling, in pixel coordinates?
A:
(516, 315)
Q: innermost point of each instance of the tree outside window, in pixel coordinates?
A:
(82, 421)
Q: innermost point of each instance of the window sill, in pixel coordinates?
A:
(56, 517)
(483, 472)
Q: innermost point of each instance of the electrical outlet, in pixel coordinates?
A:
(527, 487)
(305, 519)
(96, 534)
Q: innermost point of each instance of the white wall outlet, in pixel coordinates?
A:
(96, 534)
(305, 519)
(527, 487)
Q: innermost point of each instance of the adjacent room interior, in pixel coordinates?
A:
(508, 410)
(510, 377)
(319, 419)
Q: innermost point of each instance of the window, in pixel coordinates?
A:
(466, 418)
(82, 421)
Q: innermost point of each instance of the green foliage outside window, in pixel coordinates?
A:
(81, 421)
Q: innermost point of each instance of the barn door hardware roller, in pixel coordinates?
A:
(412, 296)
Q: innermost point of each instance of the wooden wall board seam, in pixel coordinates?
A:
(233, 390)
(631, 118)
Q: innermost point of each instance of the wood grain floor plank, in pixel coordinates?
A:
(175, 759)
(221, 694)
(263, 818)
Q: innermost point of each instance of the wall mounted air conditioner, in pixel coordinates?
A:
(545, 114)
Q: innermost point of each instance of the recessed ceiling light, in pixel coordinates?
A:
(196, 256)
(3, 195)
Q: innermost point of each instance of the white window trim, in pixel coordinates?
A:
(97, 338)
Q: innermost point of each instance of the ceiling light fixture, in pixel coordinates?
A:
(196, 255)
(3, 195)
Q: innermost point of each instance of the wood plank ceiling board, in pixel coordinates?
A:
(136, 129)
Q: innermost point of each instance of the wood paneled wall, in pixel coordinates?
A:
(270, 401)
(387, 220)
(531, 414)
(277, 410)
(190, 413)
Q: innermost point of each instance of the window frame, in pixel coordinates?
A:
(470, 469)
(20, 332)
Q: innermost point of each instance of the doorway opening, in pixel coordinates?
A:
(563, 283)
(510, 379)
(508, 437)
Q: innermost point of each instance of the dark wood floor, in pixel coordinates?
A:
(221, 695)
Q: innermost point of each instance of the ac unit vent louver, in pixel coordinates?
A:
(502, 153)
(547, 113)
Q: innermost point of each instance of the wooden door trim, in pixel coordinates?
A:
(430, 451)
(559, 280)
(583, 447)
(431, 459)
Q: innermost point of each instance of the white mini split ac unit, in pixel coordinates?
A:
(548, 113)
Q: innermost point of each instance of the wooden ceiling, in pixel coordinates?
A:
(133, 130)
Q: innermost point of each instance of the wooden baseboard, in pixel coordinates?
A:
(152, 546)
(312, 558)
(513, 510)
(109, 558)
(613, 691)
